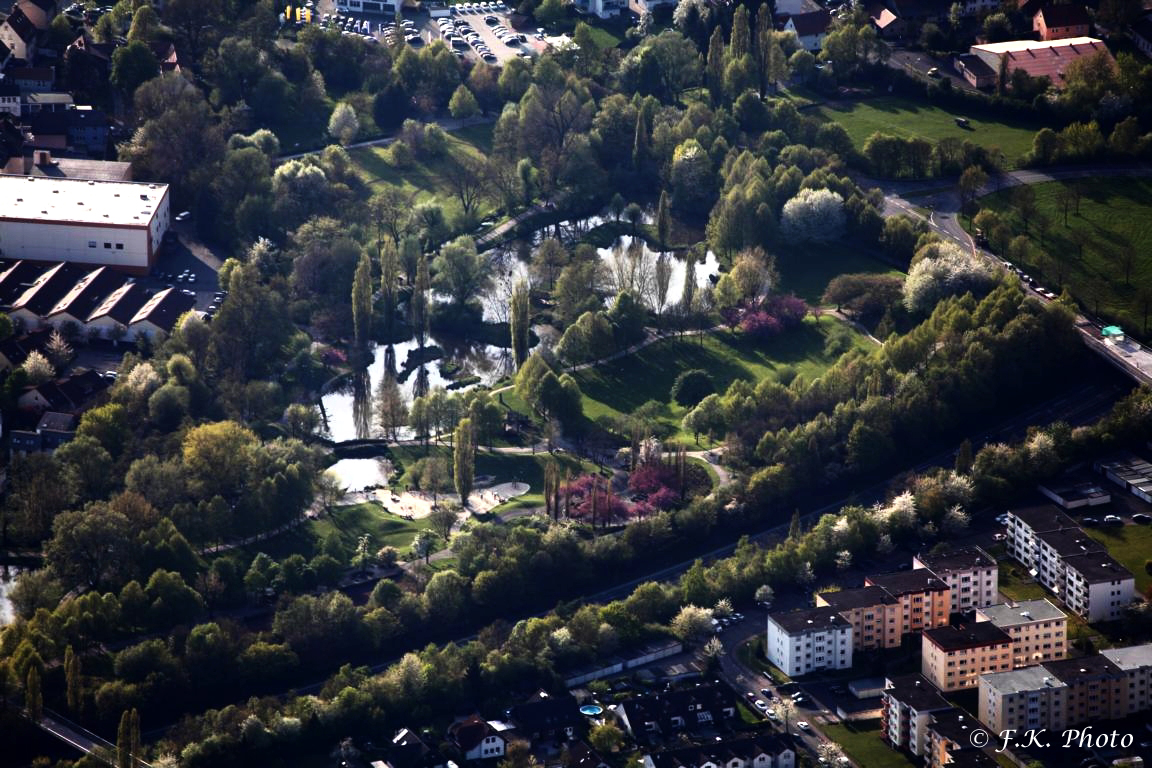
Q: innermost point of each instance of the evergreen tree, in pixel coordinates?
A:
(33, 695)
(74, 684)
(418, 303)
(518, 322)
(464, 460)
(641, 151)
(128, 739)
(714, 66)
(389, 274)
(740, 42)
(663, 219)
(794, 529)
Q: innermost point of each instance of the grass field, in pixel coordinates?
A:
(1111, 232)
(425, 178)
(909, 118)
(807, 274)
(862, 743)
(623, 385)
(1017, 588)
(1131, 545)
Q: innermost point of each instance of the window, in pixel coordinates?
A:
(91, 243)
(108, 245)
(119, 246)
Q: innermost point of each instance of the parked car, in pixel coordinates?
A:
(1090, 521)
(1113, 520)
(803, 725)
(1140, 517)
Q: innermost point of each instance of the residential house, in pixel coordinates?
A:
(408, 750)
(160, 313)
(1039, 629)
(548, 716)
(871, 611)
(1140, 32)
(85, 296)
(9, 97)
(39, 12)
(1069, 563)
(768, 750)
(659, 716)
(113, 316)
(19, 35)
(810, 28)
(32, 80)
(16, 278)
(52, 431)
(799, 642)
(45, 293)
(580, 755)
(41, 162)
(908, 704)
(953, 658)
(165, 53)
(47, 130)
(925, 600)
(15, 349)
(71, 394)
(1097, 689)
(35, 103)
(888, 25)
(477, 739)
(1060, 22)
(5, 55)
(1075, 495)
(970, 573)
(1044, 58)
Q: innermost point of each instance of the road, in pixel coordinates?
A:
(80, 738)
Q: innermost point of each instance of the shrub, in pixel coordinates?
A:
(692, 386)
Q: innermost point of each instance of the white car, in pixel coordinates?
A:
(803, 725)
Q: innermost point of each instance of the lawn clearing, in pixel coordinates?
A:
(1111, 234)
(350, 523)
(806, 272)
(898, 116)
(1131, 545)
(863, 744)
(1016, 586)
(425, 178)
(621, 386)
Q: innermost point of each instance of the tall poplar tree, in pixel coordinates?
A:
(418, 303)
(714, 66)
(362, 302)
(518, 321)
(389, 275)
(464, 460)
(33, 694)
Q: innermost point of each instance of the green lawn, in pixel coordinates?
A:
(350, 523)
(807, 274)
(862, 743)
(1131, 545)
(425, 178)
(1089, 254)
(621, 386)
(909, 118)
(1016, 586)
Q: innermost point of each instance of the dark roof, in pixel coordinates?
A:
(7, 86)
(580, 755)
(809, 619)
(915, 692)
(546, 713)
(722, 753)
(686, 703)
(47, 123)
(165, 308)
(17, 348)
(469, 732)
(812, 23)
(122, 304)
(1085, 668)
(21, 25)
(1044, 518)
(18, 278)
(1065, 16)
(1097, 567)
(860, 597)
(1142, 28)
(976, 65)
(958, 559)
(30, 74)
(964, 636)
(408, 750)
(904, 582)
(72, 392)
(1070, 541)
(50, 287)
(88, 293)
(956, 727)
(52, 421)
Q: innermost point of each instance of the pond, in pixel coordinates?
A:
(348, 409)
(359, 474)
(7, 578)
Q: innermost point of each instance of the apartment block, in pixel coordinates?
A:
(800, 642)
(1135, 662)
(953, 658)
(970, 572)
(923, 599)
(950, 737)
(908, 705)
(1022, 699)
(1039, 629)
(873, 613)
(1069, 563)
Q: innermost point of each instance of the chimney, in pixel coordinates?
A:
(43, 157)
